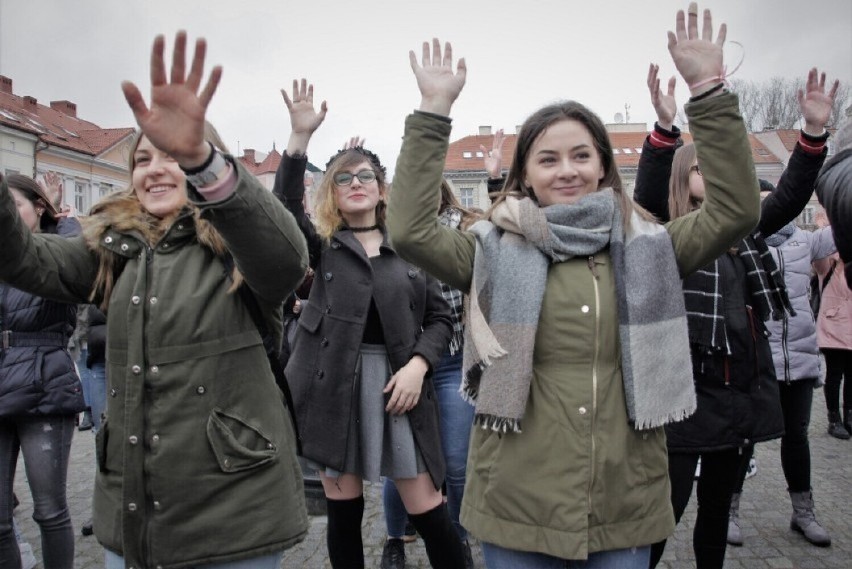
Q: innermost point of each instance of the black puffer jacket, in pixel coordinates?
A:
(37, 375)
(738, 399)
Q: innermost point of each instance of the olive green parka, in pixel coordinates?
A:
(196, 458)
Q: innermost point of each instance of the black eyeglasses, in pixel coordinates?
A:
(697, 170)
(364, 176)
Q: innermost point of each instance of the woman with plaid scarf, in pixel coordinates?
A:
(727, 303)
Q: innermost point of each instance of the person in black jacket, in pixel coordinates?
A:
(40, 394)
(372, 332)
(727, 303)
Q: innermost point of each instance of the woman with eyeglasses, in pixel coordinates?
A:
(373, 330)
(727, 303)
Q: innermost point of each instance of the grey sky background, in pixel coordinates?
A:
(520, 56)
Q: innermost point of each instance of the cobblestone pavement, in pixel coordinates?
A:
(765, 514)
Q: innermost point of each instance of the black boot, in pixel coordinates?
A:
(835, 426)
(343, 537)
(847, 420)
(443, 544)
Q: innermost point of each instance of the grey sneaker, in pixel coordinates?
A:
(393, 554)
(804, 521)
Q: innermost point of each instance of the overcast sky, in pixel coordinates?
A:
(520, 56)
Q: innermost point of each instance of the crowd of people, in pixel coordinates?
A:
(499, 372)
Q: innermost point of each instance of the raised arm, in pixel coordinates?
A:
(289, 185)
(797, 182)
(651, 190)
(731, 203)
(413, 223)
(260, 234)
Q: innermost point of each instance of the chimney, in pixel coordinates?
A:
(248, 155)
(485, 130)
(64, 107)
(30, 104)
(5, 84)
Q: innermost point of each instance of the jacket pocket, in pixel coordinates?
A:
(310, 318)
(101, 445)
(237, 445)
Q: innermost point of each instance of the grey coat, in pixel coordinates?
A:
(793, 339)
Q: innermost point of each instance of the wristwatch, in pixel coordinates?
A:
(208, 173)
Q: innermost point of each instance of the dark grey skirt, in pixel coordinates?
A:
(379, 444)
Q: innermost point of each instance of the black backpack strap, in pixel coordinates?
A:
(272, 351)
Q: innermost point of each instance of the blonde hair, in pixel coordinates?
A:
(680, 200)
(328, 217)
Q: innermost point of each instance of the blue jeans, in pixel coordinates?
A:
(271, 561)
(97, 393)
(456, 420)
(93, 380)
(46, 445)
(500, 558)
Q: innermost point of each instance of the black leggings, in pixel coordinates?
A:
(838, 365)
(719, 474)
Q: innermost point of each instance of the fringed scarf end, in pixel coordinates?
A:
(498, 424)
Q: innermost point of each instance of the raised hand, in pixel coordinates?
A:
(493, 159)
(664, 104)
(815, 103)
(354, 142)
(698, 59)
(439, 85)
(174, 123)
(52, 184)
(304, 119)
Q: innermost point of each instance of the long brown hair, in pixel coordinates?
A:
(328, 218)
(680, 201)
(535, 126)
(123, 210)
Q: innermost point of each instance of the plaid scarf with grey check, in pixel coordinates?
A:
(705, 307)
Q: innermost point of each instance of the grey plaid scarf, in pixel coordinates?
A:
(513, 252)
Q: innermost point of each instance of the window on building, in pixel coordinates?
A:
(80, 201)
(467, 154)
(105, 190)
(466, 197)
(12, 145)
(12, 171)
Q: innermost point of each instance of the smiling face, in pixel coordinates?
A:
(357, 200)
(158, 181)
(563, 164)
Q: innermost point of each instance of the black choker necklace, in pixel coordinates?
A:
(363, 229)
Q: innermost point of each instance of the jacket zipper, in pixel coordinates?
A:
(785, 326)
(595, 276)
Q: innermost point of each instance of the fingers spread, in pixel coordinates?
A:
(707, 30)
(196, 72)
(158, 66)
(134, 100)
(448, 55)
(210, 88)
(287, 100)
(723, 33)
(179, 57)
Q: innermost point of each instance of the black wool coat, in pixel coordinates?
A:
(321, 372)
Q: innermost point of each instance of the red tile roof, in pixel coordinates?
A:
(55, 127)
(269, 164)
(465, 154)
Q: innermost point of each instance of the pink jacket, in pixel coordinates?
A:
(834, 324)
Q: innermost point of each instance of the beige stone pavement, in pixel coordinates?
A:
(765, 514)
